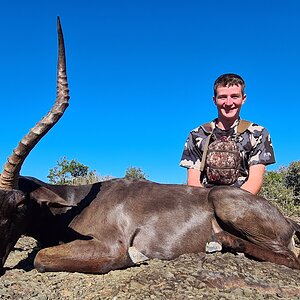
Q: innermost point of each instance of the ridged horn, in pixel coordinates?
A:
(9, 176)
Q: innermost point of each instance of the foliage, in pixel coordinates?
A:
(281, 195)
(135, 173)
(72, 172)
(292, 177)
(90, 178)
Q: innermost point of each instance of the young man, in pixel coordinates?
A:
(254, 143)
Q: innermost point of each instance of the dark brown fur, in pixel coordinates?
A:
(90, 228)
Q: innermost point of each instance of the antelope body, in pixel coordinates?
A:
(93, 228)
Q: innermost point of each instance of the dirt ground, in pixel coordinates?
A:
(191, 276)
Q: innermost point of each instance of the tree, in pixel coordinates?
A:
(72, 172)
(135, 173)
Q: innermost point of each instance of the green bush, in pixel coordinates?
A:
(292, 177)
(275, 190)
(135, 173)
(73, 172)
(90, 178)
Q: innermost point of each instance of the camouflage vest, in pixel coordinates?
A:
(221, 158)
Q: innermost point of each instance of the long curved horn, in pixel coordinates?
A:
(10, 174)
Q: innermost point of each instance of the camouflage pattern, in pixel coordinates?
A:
(223, 161)
(255, 147)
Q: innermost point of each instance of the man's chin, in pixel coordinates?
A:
(232, 115)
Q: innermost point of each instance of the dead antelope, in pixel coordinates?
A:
(114, 224)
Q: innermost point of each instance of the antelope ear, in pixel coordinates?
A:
(43, 195)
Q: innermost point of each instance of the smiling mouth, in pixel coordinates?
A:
(230, 107)
(229, 110)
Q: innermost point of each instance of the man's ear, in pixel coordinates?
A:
(244, 98)
(43, 195)
(214, 99)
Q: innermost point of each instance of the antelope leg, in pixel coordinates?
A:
(252, 218)
(87, 256)
(286, 257)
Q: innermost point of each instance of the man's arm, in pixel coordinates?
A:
(255, 179)
(193, 177)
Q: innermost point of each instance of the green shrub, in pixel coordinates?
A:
(292, 177)
(90, 178)
(275, 190)
(73, 172)
(135, 173)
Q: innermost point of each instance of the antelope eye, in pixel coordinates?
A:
(20, 205)
(3, 222)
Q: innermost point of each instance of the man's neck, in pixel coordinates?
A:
(225, 124)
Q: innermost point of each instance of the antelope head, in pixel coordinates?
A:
(12, 200)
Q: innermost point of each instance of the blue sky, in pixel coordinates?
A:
(141, 75)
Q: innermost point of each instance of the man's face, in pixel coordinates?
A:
(229, 101)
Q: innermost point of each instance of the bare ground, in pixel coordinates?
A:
(191, 276)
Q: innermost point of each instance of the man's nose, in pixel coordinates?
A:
(229, 101)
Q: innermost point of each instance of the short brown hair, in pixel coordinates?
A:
(229, 79)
